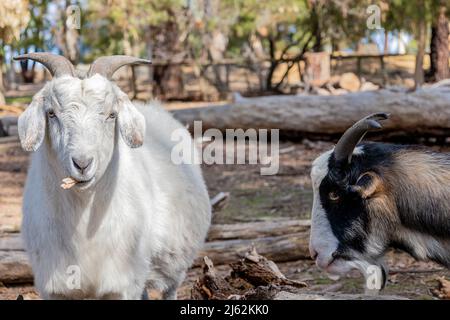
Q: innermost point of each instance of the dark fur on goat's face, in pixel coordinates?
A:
(390, 196)
(346, 207)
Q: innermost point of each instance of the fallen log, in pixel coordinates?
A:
(425, 112)
(279, 240)
(8, 126)
(15, 268)
(283, 248)
(260, 229)
(11, 242)
(14, 265)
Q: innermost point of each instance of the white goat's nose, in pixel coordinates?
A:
(82, 163)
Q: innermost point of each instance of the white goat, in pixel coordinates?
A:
(133, 216)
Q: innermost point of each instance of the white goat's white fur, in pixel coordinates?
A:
(144, 219)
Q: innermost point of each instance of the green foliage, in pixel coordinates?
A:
(123, 25)
(34, 33)
(13, 17)
(169, 27)
(281, 22)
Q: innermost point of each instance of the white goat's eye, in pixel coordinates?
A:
(333, 196)
(51, 113)
(112, 115)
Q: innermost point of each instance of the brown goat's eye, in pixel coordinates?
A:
(333, 196)
(51, 113)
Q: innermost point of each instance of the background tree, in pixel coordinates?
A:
(439, 42)
(283, 31)
(156, 29)
(34, 37)
(66, 35)
(270, 37)
(14, 16)
(421, 43)
(415, 18)
(275, 32)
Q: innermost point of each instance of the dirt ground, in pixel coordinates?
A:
(252, 197)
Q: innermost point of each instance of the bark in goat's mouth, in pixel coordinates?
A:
(69, 182)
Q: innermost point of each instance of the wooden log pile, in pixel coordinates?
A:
(251, 272)
(255, 277)
(14, 265)
(278, 240)
(8, 126)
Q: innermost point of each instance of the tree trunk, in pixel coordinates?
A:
(439, 47)
(317, 68)
(386, 41)
(67, 36)
(2, 88)
(317, 47)
(412, 113)
(71, 40)
(273, 64)
(2, 98)
(27, 74)
(418, 72)
(168, 81)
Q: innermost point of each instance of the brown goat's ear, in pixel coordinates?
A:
(367, 184)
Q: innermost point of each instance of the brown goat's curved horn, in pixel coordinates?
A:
(347, 143)
(56, 64)
(106, 66)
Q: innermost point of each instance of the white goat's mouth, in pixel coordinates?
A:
(84, 184)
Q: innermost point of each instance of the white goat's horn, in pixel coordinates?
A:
(56, 64)
(106, 66)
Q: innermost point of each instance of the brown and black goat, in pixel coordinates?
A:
(369, 197)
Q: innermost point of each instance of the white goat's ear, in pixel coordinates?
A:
(31, 125)
(131, 123)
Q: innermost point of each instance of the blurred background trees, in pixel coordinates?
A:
(269, 37)
(14, 17)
